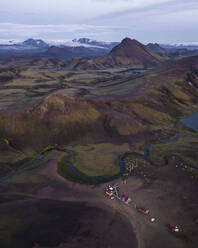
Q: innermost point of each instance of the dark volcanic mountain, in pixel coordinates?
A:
(156, 48)
(129, 53)
(71, 52)
(175, 52)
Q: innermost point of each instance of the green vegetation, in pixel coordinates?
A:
(10, 158)
(66, 172)
(182, 153)
(13, 160)
(185, 148)
(165, 95)
(99, 159)
(29, 81)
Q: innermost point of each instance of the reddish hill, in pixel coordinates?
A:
(129, 53)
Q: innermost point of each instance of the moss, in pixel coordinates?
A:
(66, 172)
(99, 159)
(185, 148)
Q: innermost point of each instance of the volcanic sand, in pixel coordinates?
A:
(159, 198)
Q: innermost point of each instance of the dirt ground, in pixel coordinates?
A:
(171, 199)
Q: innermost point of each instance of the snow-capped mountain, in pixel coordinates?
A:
(50, 48)
(83, 47)
(102, 44)
(70, 43)
(30, 44)
(35, 43)
(85, 42)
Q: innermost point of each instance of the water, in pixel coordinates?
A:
(33, 164)
(86, 178)
(191, 121)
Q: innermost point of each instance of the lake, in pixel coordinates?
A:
(191, 121)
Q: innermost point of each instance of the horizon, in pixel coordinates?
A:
(69, 41)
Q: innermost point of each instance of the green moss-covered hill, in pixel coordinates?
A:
(153, 112)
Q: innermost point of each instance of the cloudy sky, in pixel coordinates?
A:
(167, 21)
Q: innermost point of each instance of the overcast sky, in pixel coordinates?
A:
(167, 21)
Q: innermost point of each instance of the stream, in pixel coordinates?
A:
(191, 121)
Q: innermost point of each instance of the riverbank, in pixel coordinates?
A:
(71, 171)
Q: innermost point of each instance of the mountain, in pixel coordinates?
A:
(71, 52)
(29, 44)
(156, 48)
(174, 51)
(102, 44)
(27, 48)
(35, 43)
(129, 53)
(39, 48)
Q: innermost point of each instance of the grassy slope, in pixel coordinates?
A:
(168, 94)
(13, 159)
(28, 81)
(185, 148)
(66, 172)
(99, 159)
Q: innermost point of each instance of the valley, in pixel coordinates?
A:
(69, 126)
(41, 78)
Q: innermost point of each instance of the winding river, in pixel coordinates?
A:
(191, 121)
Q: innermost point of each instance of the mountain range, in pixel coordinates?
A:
(85, 42)
(29, 44)
(129, 53)
(71, 52)
(112, 54)
(102, 44)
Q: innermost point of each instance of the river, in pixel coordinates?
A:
(191, 121)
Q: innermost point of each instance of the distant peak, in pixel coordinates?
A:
(125, 40)
(54, 49)
(35, 43)
(128, 41)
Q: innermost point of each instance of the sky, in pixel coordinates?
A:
(163, 21)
